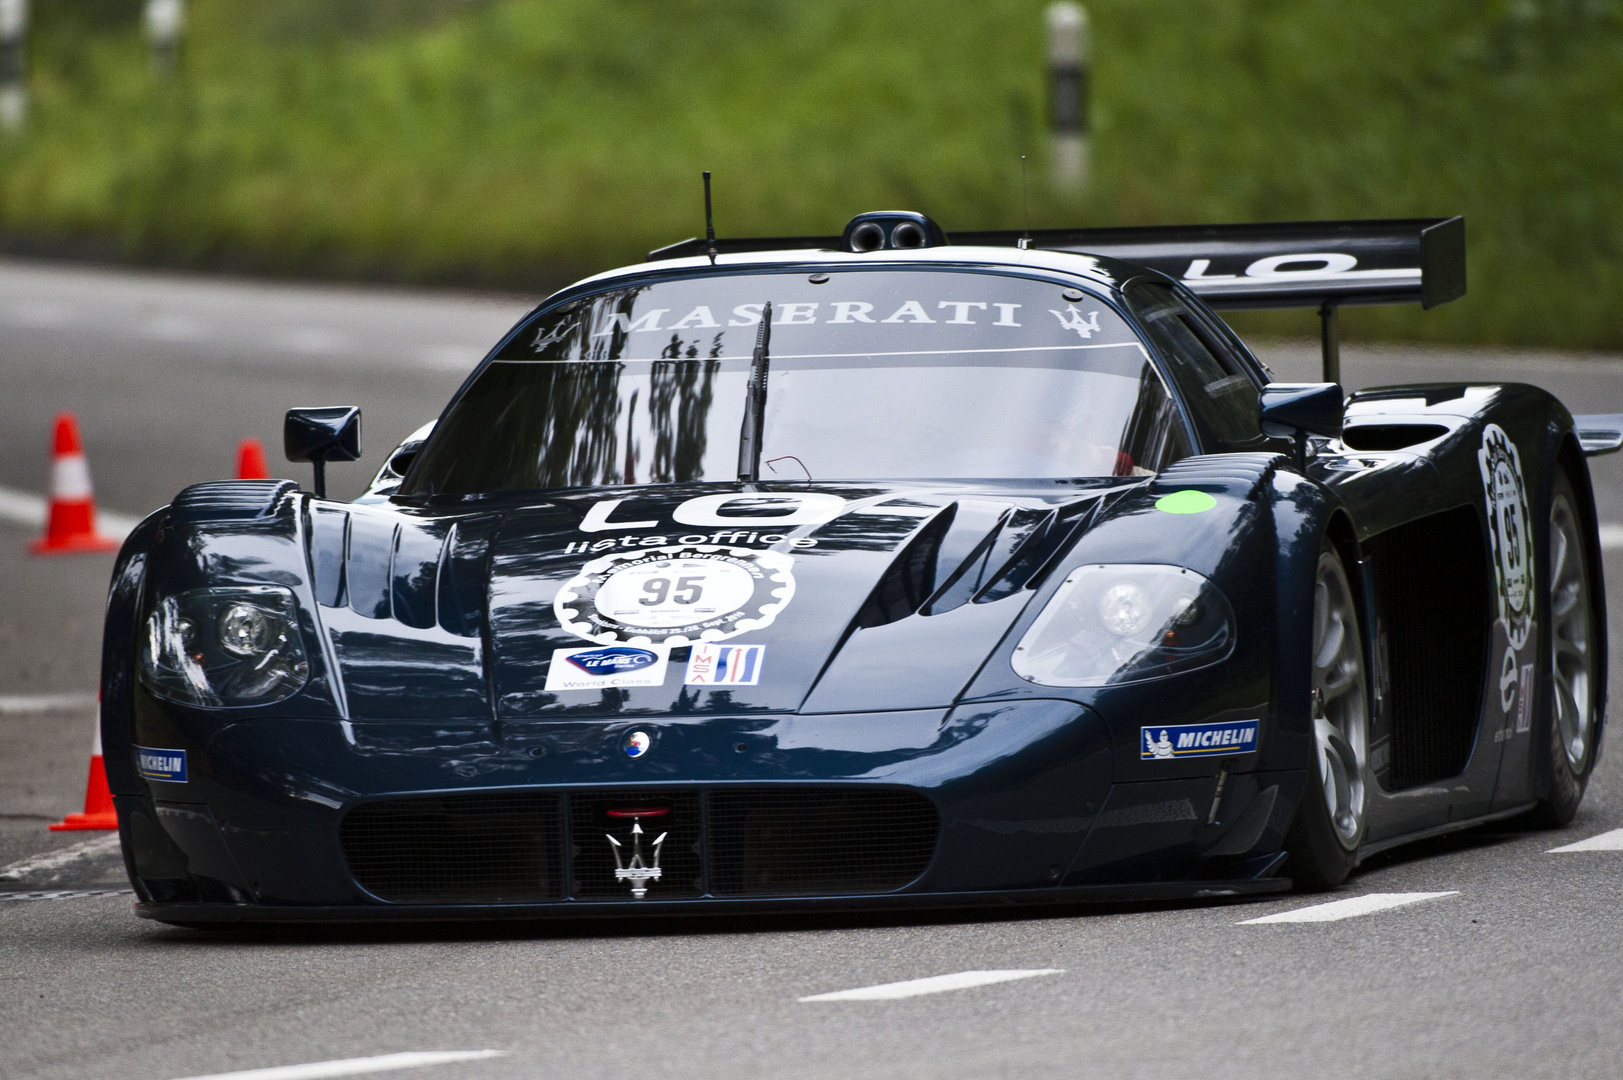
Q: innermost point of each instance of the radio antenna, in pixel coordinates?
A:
(709, 222)
(1025, 206)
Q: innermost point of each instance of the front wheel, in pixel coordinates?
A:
(1564, 744)
(1324, 838)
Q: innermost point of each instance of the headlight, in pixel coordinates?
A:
(236, 646)
(1118, 624)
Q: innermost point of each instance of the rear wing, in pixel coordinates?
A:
(1320, 264)
(1285, 264)
(1288, 264)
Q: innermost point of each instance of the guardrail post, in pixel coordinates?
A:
(13, 68)
(164, 20)
(1070, 50)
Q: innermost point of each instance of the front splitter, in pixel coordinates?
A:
(187, 914)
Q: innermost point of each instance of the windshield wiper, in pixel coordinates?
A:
(749, 436)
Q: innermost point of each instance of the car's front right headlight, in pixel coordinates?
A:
(225, 646)
(1125, 623)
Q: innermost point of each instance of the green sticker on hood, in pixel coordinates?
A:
(1185, 502)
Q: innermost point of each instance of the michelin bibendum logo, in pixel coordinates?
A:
(1198, 740)
(167, 765)
(615, 665)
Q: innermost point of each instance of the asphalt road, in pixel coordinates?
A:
(1515, 970)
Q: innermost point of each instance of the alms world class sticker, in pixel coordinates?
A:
(611, 665)
(676, 595)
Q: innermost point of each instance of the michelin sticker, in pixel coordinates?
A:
(676, 595)
(724, 665)
(588, 669)
(1509, 531)
(167, 765)
(1198, 740)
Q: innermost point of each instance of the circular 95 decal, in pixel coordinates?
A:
(676, 595)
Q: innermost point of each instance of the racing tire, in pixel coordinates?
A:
(1566, 734)
(1330, 820)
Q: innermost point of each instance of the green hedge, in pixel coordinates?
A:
(521, 142)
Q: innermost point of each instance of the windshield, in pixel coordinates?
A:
(873, 374)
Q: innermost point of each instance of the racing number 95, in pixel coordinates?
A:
(658, 590)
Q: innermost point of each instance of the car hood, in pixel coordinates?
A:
(857, 597)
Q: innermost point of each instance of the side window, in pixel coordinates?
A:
(1213, 383)
(1155, 438)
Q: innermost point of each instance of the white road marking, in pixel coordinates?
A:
(26, 508)
(935, 984)
(1606, 841)
(1611, 535)
(28, 704)
(1353, 906)
(316, 1070)
(56, 860)
(65, 894)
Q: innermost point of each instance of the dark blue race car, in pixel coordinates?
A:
(878, 569)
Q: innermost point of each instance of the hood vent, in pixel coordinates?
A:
(972, 551)
(231, 500)
(1246, 469)
(384, 567)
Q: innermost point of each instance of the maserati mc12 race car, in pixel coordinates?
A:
(878, 569)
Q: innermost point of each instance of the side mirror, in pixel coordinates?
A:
(1297, 410)
(321, 435)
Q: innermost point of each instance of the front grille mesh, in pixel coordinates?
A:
(774, 843)
(510, 846)
(457, 849)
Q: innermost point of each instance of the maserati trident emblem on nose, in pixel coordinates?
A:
(636, 869)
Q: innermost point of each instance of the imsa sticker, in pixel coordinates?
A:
(168, 765)
(615, 665)
(725, 665)
(1198, 740)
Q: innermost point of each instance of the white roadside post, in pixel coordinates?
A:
(13, 69)
(1070, 50)
(164, 21)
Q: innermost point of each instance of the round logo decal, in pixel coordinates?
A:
(637, 744)
(676, 595)
(1509, 531)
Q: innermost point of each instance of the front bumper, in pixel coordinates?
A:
(1022, 794)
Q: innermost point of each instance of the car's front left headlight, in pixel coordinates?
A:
(225, 646)
(1125, 623)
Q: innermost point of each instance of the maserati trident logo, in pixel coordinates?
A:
(637, 869)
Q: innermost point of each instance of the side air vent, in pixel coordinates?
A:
(220, 500)
(1432, 596)
(1390, 436)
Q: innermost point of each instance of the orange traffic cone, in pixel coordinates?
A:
(99, 812)
(251, 461)
(71, 528)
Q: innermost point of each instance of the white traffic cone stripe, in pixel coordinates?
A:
(70, 478)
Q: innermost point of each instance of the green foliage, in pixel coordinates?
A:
(522, 142)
